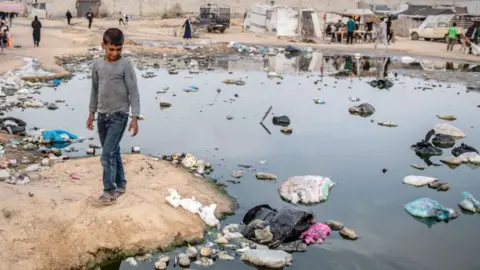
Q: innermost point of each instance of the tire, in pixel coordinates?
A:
(415, 36)
(427, 39)
(20, 128)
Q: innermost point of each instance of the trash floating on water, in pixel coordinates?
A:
(443, 141)
(469, 203)
(286, 130)
(363, 110)
(455, 161)
(462, 149)
(334, 225)
(354, 99)
(272, 75)
(315, 234)
(149, 74)
(165, 104)
(232, 81)
(430, 211)
(387, 124)
(283, 121)
(306, 189)
(446, 117)
(238, 174)
(135, 149)
(318, 101)
(348, 234)
(418, 181)
(440, 186)
(191, 88)
(425, 149)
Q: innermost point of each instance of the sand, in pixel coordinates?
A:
(55, 222)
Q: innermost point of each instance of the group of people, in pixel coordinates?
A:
(471, 36)
(384, 31)
(5, 35)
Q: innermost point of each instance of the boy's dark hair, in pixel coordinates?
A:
(454, 24)
(113, 36)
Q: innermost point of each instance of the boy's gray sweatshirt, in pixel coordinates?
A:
(114, 87)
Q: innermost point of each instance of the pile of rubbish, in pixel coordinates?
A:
(265, 238)
(252, 50)
(190, 162)
(307, 189)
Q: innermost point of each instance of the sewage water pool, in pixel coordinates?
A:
(326, 141)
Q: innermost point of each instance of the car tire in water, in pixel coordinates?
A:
(415, 36)
(20, 128)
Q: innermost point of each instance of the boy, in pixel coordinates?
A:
(89, 16)
(120, 19)
(452, 36)
(114, 91)
(350, 29)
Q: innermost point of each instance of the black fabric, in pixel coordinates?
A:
(285, 225)
(15, 129)
(462, 149)
(283, 121)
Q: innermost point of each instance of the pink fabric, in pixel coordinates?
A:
(315, 234)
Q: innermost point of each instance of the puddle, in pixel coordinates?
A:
(31, 68)
(326, 140)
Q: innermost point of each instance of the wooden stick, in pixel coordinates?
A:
(266, 114)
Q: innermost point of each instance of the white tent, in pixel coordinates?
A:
(283, 21)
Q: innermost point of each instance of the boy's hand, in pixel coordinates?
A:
(90, 120)
(133, 127)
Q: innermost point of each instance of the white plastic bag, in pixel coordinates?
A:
(418, 181)
(191, 205)
(267, 258)
(174, 198)
(207, 214)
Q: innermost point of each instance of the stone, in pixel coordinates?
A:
(164, 104)
(52, 106)
(206, 252)
(204, 261)
(348, 234)
(265, 176)
(4, 174)
(183, 260)
(267, 258)
(159, 265)
(223, 255)
(287, 131)
(145, 258)
(164, 259)
(334, 225)
(221, 241)
(47, 162)
(191, 252)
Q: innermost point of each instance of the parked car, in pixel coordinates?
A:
(432, 31)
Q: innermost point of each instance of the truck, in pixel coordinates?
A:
(213, 17)
(436, 27)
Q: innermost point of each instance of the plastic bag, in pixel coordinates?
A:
(428, 208)
(448, 129)
(470, 203)
(462, 149)
(306, 189)
(267, 258)
(174, 198)
(191, 205)
(418, 181)
(207, 214)
(58, 135)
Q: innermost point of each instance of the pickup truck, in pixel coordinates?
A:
(432, 31)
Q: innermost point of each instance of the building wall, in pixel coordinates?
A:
(159, 7)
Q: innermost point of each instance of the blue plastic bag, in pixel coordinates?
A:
(56, 82)
(58, 136)
(428, 208)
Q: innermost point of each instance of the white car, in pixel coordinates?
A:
(431, 31)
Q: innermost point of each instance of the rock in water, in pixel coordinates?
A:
(238, 174)
(387, 124)
(267, 258)
(418, 181)
(164, 104)
(183, 260)
(159, 265)
(446, 117)
(448, 129)
(452, 161)
(223, 255)
(52, 106)
(191, 252)
(204, 262)
(418, 166)
(283, 121)
(443, 141)
(334, 225)
(265, 176)
(348, 234)
(286, 131)
(467, 205)
(363, 110)
(221, 241)
(206, 252)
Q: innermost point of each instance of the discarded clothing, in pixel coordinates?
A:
(283, 121)
(316, 234)
(424, 148)
(426, 208)
(363, 110)
(462, 149)
(469, 203)
(306, 189)
(291, 49)
(270, 227)
(381, 84)
(58, 136)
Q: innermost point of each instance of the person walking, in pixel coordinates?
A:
(188, 29)
(3, 36)
(452, 36)
(120, 19)
(350, 30)
(389, 29)
(36, 25)
(382, 34)
(114, 93)
(89, 16)
(69, 16)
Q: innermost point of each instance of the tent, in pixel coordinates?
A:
(357, 12)
(11, 7)
(283, 21)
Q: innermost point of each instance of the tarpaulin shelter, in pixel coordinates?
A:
(283, 21)
(11, 7)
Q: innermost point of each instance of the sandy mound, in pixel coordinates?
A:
(55, 223)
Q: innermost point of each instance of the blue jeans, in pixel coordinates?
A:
(111, 128)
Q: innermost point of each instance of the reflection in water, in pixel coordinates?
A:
(112, 266)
